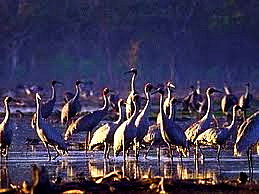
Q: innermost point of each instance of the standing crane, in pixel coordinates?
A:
(89, 121)
(219, 135)
(48, 106)
(166, 105)
(245, 100)
(72, 107)
(129, 102)
(247, 138)
(228, 101)
(126, 132)
(201, 125)
(105, 133)
(171, 133)
(49, 135)
(142, 122)
(6, 128)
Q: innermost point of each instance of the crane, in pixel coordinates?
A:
(201, 125)
(89, 121)
(48, 106)
(6, 129)
(72, 107)
(228, 101)
(218, 136)
(126, 132)
(105, 133)
(171, 133)
(245, 100)
(49, 135)
(142, 122)
(247, 137)
(129, 101)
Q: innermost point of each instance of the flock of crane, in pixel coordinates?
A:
(134, 129)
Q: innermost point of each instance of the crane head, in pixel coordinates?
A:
(170, 85)
(121, 102)
(132, 70)
(8, 99)
(247, 84)
(148, 87)
(38, 96)
(54, 82)
(106, 91)
(78, 82)
(212, 90)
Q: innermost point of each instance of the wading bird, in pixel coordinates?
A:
(219, 135)
(198, 127)
(49, 135)
(126, 132)
(105, 133)
(6, 129)
(228, 101)
(245, 100)
(247, 137)
(48, 106)
(142, 122)
(171, 133)
(129, 102)
(89, 121)
(72, 107)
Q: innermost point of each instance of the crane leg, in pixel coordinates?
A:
(218, 152)
(108, 151)
(55, 147)
(146, 154)
(158, 153)
(170, 152)
(248, 160)
(251, 163)
(47, 146)
(105, 150)
(124, 151)
(202, 155)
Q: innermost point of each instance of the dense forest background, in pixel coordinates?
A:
(181, 40)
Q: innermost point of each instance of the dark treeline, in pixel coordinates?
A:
(182, 40)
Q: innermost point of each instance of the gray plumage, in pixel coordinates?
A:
(72, 107)
(88, 121)
(129, 101)
(198, 127)
(105, 133)
(219, 135)
(228, 101)
(6, 128)
(126, 132)
(49, 135)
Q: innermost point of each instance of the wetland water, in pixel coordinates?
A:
(76, 164)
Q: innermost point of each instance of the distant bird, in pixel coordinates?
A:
(48, 106)
(126, 132)
(200, 126)
(72, 107)
(245, 100)
(228, 101)
(247, 137)
(89, 121)
(6, 129)
(49, 135)
(193, 100)
(171, 133)
(166, 105)
(105, 133)
(218, 136)
(142, 121)
(129, 104)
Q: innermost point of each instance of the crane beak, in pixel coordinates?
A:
(218, 91)
(171, 85)
(127, 72)
(156, 91)
(59, 83)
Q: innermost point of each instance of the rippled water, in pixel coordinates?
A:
(77, 164)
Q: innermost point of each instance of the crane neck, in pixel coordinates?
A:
(77, 94)
(247, 91)
(53, 96)
(136, 109)
(172, 114)
(38, 112)
(7, 112)
(227, 90)
(133, 80)
(161, 106)
(106, 103)
(147, 105)
(168, 93)
(121, 117)
(233, 120)
(208, 112)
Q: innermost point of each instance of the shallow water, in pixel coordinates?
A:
(77, 165)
